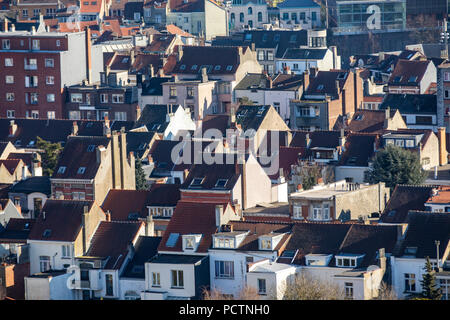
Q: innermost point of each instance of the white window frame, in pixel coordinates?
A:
(177, 281)
(224, 269)
(9, 79)
(117, 98)
(410, 281)
(262, 290)
(9, 62)
(49, 97)
(66, 251)
(49, 63)
(76, 97)
(156, 279)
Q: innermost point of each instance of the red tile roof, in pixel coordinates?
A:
(92, 6)
(442, 196)
(120, 203)
(173, 29)
(10, 164)
(408, 70)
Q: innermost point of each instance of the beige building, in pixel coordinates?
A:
(339, 201)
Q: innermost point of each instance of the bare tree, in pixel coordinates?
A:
(246, 293)
(386, 292)
(306, 287)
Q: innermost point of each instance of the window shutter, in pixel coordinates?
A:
(305, 211)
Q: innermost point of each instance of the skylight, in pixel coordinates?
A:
(196, 182)
(47, 233)
(221, 183)
(173, 237)
(194, 67)
(81, 170)
(320, 87)
(182, 67)
(90, 148)
(62, 169)
(229, 68)
(397, 79)
(217, 67)
(412, 79)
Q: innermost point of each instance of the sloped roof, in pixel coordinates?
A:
(319, 139)
(160, 43)
(173, 29)
(191, 218)
(26, 157)
(370, 121)
(253, 81)
(17, 230)
(251, 116)
(408, 72)
(187, 6)
(122, 203)
(211, 173)
(325, 83)
(111, 240)
(164, 195)
(411, 103)
(403, 199)
(32, 184)
(424, 228)
(62, 218)
(145, 249)
(359, 149)
(10, 164)
(154, 117)
(297, 4)
(153, 86)
(302, 54)
(76, 155)
(139, 142)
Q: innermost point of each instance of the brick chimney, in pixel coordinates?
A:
(88, 55)
(305, 80)
(108, 216)
(5, 25)
(74, 128)
(219, 213)
(149, 227)
(12, 128)
(180, 53)
(443, 155)
(204, 75)
(84, 225)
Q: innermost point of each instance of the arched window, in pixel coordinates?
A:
(250, 10)
(232, 17)
(241, 17)
(259, 16)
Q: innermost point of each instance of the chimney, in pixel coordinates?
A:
(219, 213)
(24, 172)
(149, 227)
(381, 56)
(33, 30)
(342, 138)
(338, 87)
(12, 128)
(37, 168)
(313, 71)
(13, 27)
(5, 25)
(74, 128)
(308, 140)
(84, 225)
(305, 80)
(88, 55)
(152, 71)
(108, 216)
(180, 53)
(106, 127)
(100, 152)
(43, 215)
(204, 75)
(132, 56)
(382, 259)
(443, 155)
(47, 28)
(270, 82)
(387, 118)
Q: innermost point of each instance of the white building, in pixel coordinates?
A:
(251, 13)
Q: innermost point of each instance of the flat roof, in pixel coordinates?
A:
(327, 192)
(176, 259)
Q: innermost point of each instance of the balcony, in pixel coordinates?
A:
(94, 282)
(81, 284)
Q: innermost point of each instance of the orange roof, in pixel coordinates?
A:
(173, 29)
(90, 6)
(75, 27)
(373, 98)
(442, 195)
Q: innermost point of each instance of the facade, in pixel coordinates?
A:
(37, 66)
(30, 195)
(299, 60)
(32, 9)
(251, 13)
(304, 13)
(412, 77)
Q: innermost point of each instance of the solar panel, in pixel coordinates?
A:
(173, 237)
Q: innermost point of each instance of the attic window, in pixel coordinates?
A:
(62, 169)
(26, 226)
(182, 67)
(320, 87)
(398, 79)
(90, 148)
(47, 233)
(196, 182)
(81, 170)
(133, 216)
(156, 126)
(411, 251)
(217, 67)
(359, 117)
(18, 142)
(229, 68)
(412, 79)
(221, 183)
(125, 60)
(342, 75)
(31, 143)
(173, 237)
(260, 111)
(194, 67)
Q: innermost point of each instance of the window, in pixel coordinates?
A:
(50, 80)
(9, 79)
(294, 16)
(120, 115)
(196, 182)
(241, 17)
(250, 11)
(190, 92)
(58, 43)
(447, 76)
(260, 55)
(31, 81)
(109, 285)
(36, 43)
(51, 97)
(224, 269)
(410, 282)
(302, 16)
(78, 196)
(76, 97)
(6, 44)
(266, 244)
(232, 17)
(259, 16)
(348, 290)
(262, 290)
(297, 211)
(10, 114)
(326, 211)
(25, 13)
(9, 62)
(51, 114)
(156, 279)
(189, 243)
(44, 263)
(117, 98)
(49, 63)
(177, 279)
(285, 16)
(66, 252)
(173, 92)
(313, 16)
(194, 67)
(62, 169)
(103, 98)
(444, 284)
(221, 183)
(81, 170)
(317, 212)
(10, 96)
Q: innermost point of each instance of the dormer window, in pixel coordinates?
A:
(221, 183)
(412, 79)
(90, 148)
(223, 242)
(348, 260)
(196, 182)
(81, 170)
(191, 241)
(62, 170)
(229, 68)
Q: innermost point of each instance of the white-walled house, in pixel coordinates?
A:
(297, 60)
(418, 243)
(251, 13)
(7, 211)
(30, 195)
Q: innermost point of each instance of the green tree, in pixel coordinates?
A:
(49, 155)
(141, 183)
(310, 176)
(245, 101)
(429, 288)
(394, 165)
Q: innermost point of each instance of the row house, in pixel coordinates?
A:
(155, 12)
(427, 236)
(243, 13)
(305, 14)
(339, 201)
(13, 244)
(90, 166)
(36, 67)
(375, 121)
(329, 98)
(181, 269)
(235, 63)
(412, 77)
(32, 9)
(30, 195)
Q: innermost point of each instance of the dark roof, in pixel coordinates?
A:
(3, 145)
(403, 199)
(139, 142)
(62, 219)
(287, 82)
(131, 7)
(153, 86)
(17, 230)
(411, 103)
(164, 195)
(187, 6)
(176, 259)
(10, 164)
(26, 157)
(144, 250)
(302, 54)
(191, 218)
(423, 229)
(251, 117)
(359, 150)
(261, 81)
(297, 4)
(200, 56)
(217, 121)
(123, 203)
(287, 157)
(76, 155)
(33, 184)
(367, 240)
(111, 240)
(408, 72)
(316, 238)
(370, 121)
(160, 43)
(319, 139)
(154, 117)
(253, 81)
(211, 174)
(161, 153)
(325, 83)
